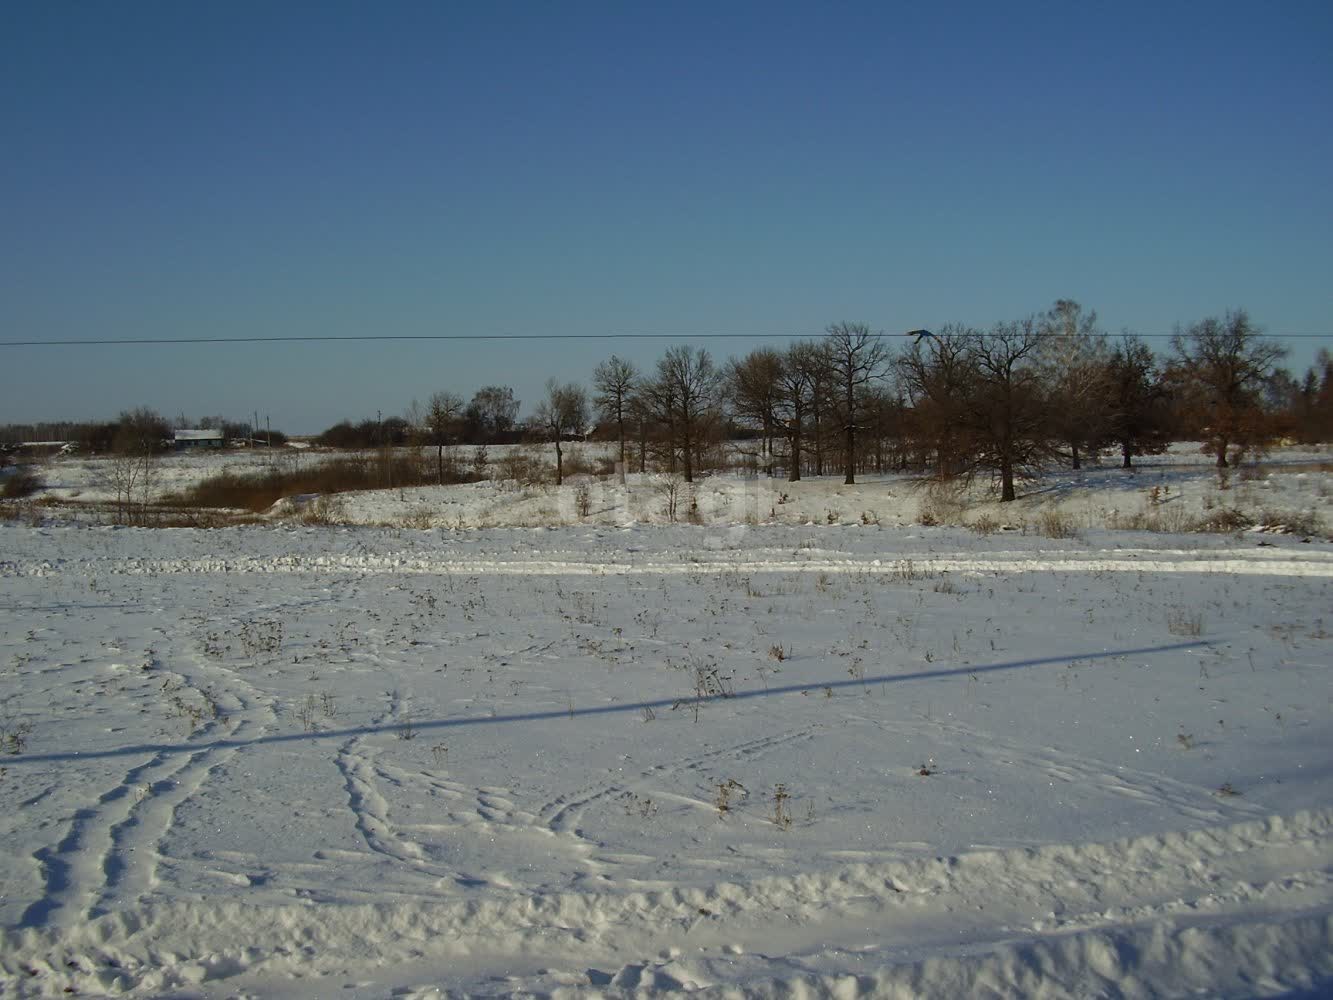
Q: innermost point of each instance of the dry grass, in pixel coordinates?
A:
(1184, 621)
(259, 491)
(942, 503)
(1224, 520)
(1056, 524)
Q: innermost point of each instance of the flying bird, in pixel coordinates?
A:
(920, 335)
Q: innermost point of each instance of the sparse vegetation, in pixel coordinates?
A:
(1184, 621)
(20, 483)
(781, 813)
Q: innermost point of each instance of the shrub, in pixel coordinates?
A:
(259, 491)
(1056, 524)
(1223, 520)
(523, 466)
(1294, 522)
(1184, 621)
(21, 483)
(985, 525)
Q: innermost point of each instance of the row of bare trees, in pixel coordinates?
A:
(1006, 402)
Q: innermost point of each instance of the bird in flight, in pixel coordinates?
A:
(920, 335)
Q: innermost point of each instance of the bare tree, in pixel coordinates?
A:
(684, 396)
(132, 469)
(984, 400)
(1074, 352)
(563, 411)
(938, 375)
(1010, 408)
(752, 384)
(1223, 365)
(614, 381)
(640, 407)
(795, 398)
(440, 423)
(1135, 401)
(857, 357)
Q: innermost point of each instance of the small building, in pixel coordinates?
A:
(194, 438)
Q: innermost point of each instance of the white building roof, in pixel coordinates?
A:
(198, 435)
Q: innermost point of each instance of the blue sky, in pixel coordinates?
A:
(262, 169)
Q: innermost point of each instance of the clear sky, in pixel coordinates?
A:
(278, 169)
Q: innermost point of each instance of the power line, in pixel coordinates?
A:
(385, 338)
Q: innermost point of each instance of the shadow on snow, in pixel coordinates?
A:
(566, 713)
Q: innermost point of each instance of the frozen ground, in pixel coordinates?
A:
(763, 760)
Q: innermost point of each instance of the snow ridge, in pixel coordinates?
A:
(1177, 907)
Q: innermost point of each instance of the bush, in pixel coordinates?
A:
(523, 465)
(1224, 520)
(259, 491)
(1056, 524)
(1292, 522)
(21, 483)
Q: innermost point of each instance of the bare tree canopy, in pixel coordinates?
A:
(1074, 352)
(856, 358)
(614, 381)
(441, 424)
(795, 393)
(1135, 402)
(684, 399)
(563, 412)
(1221, 366)
(752, 384)
(984, 399)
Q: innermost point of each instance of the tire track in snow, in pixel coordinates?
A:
(136, 841)
(113, 848)
(1194, 802)
(564, 813)
(946, 910)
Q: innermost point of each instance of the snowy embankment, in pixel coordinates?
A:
(747, 761)
(1166, 492)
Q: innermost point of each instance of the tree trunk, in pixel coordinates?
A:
(1125, 450)
(794, 475)
(439, 462)
(1006, 481)
(819, 442)
(1222, 455)
(559, 463)
(1073, 447)
(850, 461)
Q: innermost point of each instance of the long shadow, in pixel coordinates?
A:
(566, 713)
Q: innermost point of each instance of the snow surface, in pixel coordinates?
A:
(293, 761)
(1171, 489)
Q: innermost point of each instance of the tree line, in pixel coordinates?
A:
(1006, 402)
(135, 431)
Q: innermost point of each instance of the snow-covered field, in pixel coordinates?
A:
(1166, 492)
(613, 758)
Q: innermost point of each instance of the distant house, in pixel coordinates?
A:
(198, 439)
